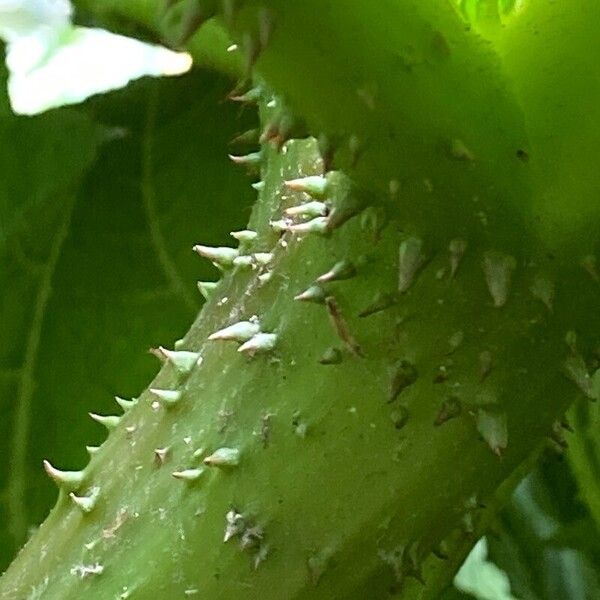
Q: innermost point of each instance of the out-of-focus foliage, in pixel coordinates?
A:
(546, 539)
(99, 209)
(482, 578)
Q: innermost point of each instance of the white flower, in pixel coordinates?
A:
(52, 63)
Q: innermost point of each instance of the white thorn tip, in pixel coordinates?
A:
(315, 293)
(310, 209)
(125, 404)
(188, 475)
(281, 225)
(235, 525)
(206, 288)
(109, 421)
(411, 259)
(261, 342)
(86, 503)
(498, 269)
(167, 397)
(263, 258)
(245, 261)
(341, 270)
(245, 235)
(223, 457)
(183, 360)
(241, 331)
(70, 480)
(221, 256)
(313, 185)
(316, 225)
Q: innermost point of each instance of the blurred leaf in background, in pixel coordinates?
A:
(546, 540)
(99, 208)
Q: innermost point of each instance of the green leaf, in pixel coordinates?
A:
(482, 578)
(546, 540)
(96, 264)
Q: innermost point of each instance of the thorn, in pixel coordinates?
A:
(455, 340)
(91, 450)
(400, 417)
(167, 397)
(451, 408)
(576, 370)
(564, 423)
(235, 525)
(223, 457)
(380, 303)
(272, 134)
(309, 209)
(252, 96)
(589, 264)
(193, 18)
(183, 360)
(245, 235)
(161, 455)
(315, 293)
(492, 426)
(86, 503)
(346, 202)
(189, 475)
(316, 225)
(498, 269)
(67, 480)
(313, 185)
(206, 288)
(374, 220)
(543, 289)
(221, 257)
(259, 343)
(441, 551)
(331, 356)
(244, 261)
(341, 326)
(249, 137)
(265, 277)
(263, 258)
(241, 331)
(571, 341)
(280, 226)
(125, 404)
(459, 151)
(340, 271)
(556, 436)
(327, 148)
(404, 375)
(109, 421)
(355, 148)
(411, 259)
(457, 249)
(486, 363)
(259, 186)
